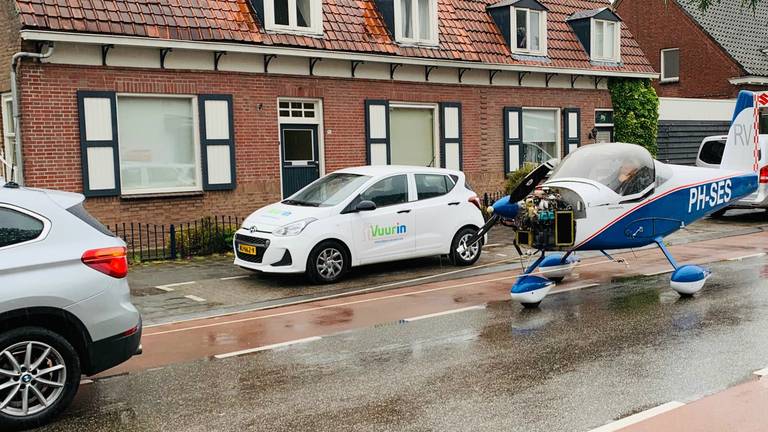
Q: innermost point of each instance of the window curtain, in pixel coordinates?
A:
(540, 129)
(304, 13)
(413, 137)
(425, 30)
(406, 17)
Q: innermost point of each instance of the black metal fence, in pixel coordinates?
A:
(492, 197)
(151, 242)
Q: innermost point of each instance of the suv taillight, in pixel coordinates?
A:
(110, 261)
(764, 175)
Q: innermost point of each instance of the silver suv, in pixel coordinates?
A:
(65, 306)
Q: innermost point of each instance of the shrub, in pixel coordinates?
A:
(516, 177)
(635, 112)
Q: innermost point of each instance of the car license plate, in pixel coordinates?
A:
(246, 249)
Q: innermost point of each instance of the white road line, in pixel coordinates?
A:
(86, 381)
(267, 347)
(235, 278)
(501, 255)
(439, 314)
(195, 298)
(658, 273)
(493, 245)
(761, 373)
(170, 287)
(757, 255)
(580, 287)
(637, 418)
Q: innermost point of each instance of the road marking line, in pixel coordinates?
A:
(761, 373)
(493, 245)
(195, 298)
(439, 314)
(170, 287)
(637, 418)
(300, 311)
(501, 255)
(580, 287)
(86, 381)
(267, 347)
(658, 273)
(234, 278)
(757, 255)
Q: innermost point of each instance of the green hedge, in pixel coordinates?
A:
(635, 112)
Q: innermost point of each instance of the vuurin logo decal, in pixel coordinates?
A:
(709, 195)
(388, 233)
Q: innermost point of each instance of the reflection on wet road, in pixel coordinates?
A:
(586, 358)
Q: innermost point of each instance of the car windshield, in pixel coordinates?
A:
(625, 168)
(328, 191)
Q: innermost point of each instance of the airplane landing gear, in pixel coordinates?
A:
(558, 266)
(686, 280)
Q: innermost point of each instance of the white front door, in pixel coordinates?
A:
(385, 234)
(433, 210)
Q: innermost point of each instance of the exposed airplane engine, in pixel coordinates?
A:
(546, 220)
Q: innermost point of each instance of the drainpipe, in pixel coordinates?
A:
(15, 103)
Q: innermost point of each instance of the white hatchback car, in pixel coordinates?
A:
(363, 216)
(65, 306)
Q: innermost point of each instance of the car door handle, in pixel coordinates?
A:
(454, 203)
(403, 212)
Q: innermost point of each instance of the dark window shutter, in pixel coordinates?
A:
(217, 138)
(99, 155)
(451, 151)
(513, 138)
(258, 9)
(377, 148)
(571, 130)
(387, 10)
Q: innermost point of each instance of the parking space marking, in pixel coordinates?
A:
(639, 417)
(493, 245)
(170, 287)
(501, 255)
(439, 314)
(234, 278)
(195, 298)
(580, 287)
(757, 255)
(267, 347)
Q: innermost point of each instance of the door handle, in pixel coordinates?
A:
(403, 212)
(454, 203)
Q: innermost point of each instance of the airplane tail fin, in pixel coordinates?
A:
(742, 149)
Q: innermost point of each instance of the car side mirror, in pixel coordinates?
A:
(365, 206)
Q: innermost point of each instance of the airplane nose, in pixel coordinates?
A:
(506, 209)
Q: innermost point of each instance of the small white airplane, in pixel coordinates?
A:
(616, 196)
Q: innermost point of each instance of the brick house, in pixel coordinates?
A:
(705, 59)
(166, 111)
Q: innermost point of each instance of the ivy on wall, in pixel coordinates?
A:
(635, 112)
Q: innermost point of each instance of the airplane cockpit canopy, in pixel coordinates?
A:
(627, 169)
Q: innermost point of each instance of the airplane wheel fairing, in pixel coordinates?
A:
(689, 279)
(552, 267)
(531, 290)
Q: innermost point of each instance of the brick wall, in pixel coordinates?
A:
(10, 42)
(52, 149)
(704, 67)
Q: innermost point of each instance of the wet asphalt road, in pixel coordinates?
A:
(585, 358)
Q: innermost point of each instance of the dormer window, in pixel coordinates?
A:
(416, 22)
(523, 24)
(529, 31)
(294, 16)
(599, 31)
(606, 40)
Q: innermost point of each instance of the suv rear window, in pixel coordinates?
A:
(81, 213)
(712, 152)
(17, 227)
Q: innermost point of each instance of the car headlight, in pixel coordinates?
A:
(293, 229)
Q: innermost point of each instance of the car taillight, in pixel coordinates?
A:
(764, 175)
(110, 261)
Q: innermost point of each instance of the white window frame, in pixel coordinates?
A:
(603, 110)
(9, 138)
(435, 123)
(416, 40)
(542, 32)
(606, 43)
(195, 142)
(318, 120)
(316, 17)
(664, 79)
(558, 127)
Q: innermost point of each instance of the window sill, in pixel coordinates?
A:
(163, 195)
(417, 44)
(669, 81)
(295, 31)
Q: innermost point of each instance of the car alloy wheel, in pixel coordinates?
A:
(468, 253)
(330, 263)
(33, 376)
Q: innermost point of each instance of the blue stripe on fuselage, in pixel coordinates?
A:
(685, 205)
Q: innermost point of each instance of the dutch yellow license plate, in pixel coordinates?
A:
(246, 249)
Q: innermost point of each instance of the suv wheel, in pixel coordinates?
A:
(327, 263)
(39, 376)
(467, 256)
